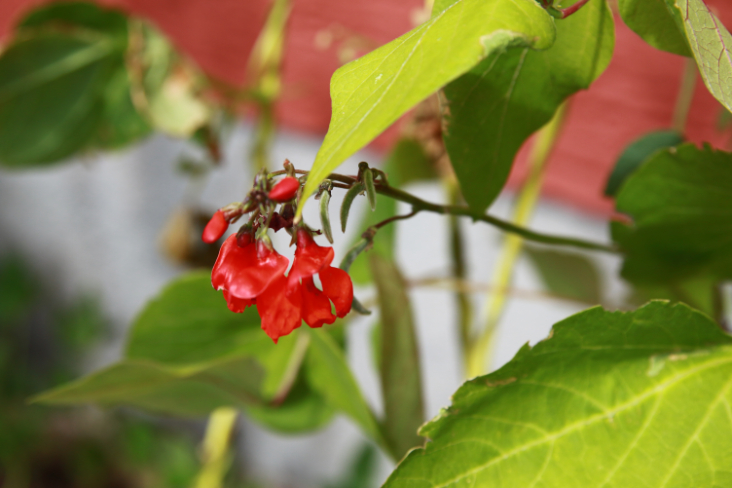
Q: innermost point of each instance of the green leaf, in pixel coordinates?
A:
(329, 375)
(372, 92)
(680, 201)
(711, 44)
(655, 23)
(611, 399)
(189, 323)
(567, 274)
(637, 152)
(188, 354)
(401, 379)
(74, 15)
(490, 111)
(50, 96)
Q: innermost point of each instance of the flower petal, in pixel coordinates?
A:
(279, 310)
(238, 305)
(337, 286)
(310, 258)
(315, 305)
(245, 271)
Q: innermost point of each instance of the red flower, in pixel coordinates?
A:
(215, 228)
(310, 258)
(284, 190)
(253, 274)
(244, 268)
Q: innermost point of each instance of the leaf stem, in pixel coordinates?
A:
(478, 353)
(566, 12)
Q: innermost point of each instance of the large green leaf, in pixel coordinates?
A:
(680, 201)
(188, 354)
(371, 92)
(401, 379)
(611, 399)
(50, 96)
(329, 374)
(655, 23)
(492, 109)
(711, 44)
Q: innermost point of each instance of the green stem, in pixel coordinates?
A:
(422, 205)
(479, 352)
(457, 254)
(504, 225)
(685, 96)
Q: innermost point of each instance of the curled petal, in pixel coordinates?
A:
(278, 309)
(315, 305)
(215, 228)
(246, 271)
(310, 258)
(337, 286)
(238, 305)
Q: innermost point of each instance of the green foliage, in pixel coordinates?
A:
(609, 399)
(637, 152)
(50, 96)
(679, 201)
(657, 24)
(372, 92)
(711, 44)
(64, 86)
(401, 378)
(493, 108)
(567, 274)
(188, 355)
(329, 374)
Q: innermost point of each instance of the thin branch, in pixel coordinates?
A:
(566, 12)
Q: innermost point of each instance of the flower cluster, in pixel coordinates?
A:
(250, 272)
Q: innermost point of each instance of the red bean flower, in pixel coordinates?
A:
(250, 273)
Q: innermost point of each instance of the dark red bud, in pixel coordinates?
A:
(285, 189)
(215, 228)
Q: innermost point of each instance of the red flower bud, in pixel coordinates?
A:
(285, 189)
(215, 228)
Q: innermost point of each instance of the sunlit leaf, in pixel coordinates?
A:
(611, 399)
(372, 92)
(711, 44)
